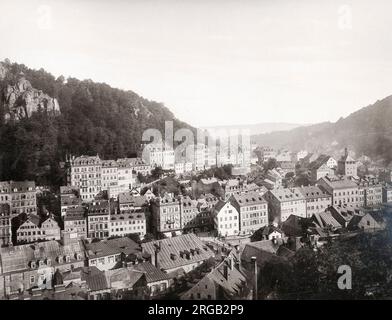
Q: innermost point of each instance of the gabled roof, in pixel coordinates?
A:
(249, 198)
(105, 248)
(313, 192)
(153, 274)
(178, 251)
(122, 278)
(95, 279)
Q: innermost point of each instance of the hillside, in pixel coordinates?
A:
(44, 118)
(258, 128)
(367, 131)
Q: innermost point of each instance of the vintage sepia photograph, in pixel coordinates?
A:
(183, 150)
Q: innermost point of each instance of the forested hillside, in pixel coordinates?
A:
(94, 118)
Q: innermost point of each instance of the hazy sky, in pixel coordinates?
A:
(217, 61)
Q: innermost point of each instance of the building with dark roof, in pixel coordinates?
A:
(33, 265)
(166, 215)
(108, 254)
(225, 281)
(253, 211)
(184, 251)
(284, 202)
(75, 220)
(317, 200)
(20, 195)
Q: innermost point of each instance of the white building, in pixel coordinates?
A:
(85, 172)
(159, 155)
(226, 219)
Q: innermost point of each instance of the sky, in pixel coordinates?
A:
(214, 62)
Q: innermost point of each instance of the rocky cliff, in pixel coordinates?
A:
(21, 100)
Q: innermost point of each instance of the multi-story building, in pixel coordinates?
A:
(138, 165)
(347, 166)
(343, 191)
(372, 191)
(317, 200)
(20, 195)
(129, 202)
(319, 169)
(166, 214)
(284, 202)
(125, 177)
(33, 265)
(191, 217)
(5, 224)
(33, 230)
(183, 167)
(253, 211)
(127, 222)
(109, 174)
(85, 172)
(98, 219)
(69, 198)
(75, 221)
(387, 193)
(226, 219)
(159, 155)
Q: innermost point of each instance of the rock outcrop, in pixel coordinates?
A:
(3, 71)
(22, 100)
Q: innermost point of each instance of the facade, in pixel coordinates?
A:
(166, 214)
(124, 172)
(129, 202)
(127, 222)
(183, 167)
(109, 174)
(253, 211)
(69, 198)
(98, 218)
(317, 200)
(284, 202)
(75, 221)
(319, 170)
(347, 166)
(5, 225)
(85, 172)
(387, 193)
(343, 191)
(108, 254)
(33, 230)
(159, 155)
(226, 219)
(373, 193)
(19, 195)
(33, 265)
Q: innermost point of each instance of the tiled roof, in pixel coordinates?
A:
(111, 247)
(264, 250)
(178, 251)
(249, 198)
(286, 194)
(95, 279)
(153, 274)
(325, 219)
(18, 258)
(122, 278)
(313, 192)
(336, 183)
(127, 197)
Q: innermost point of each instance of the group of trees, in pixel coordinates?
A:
(314, 274)
(95, 119)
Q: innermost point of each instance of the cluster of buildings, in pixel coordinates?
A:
(196, 157)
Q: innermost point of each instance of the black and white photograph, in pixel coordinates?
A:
(218, 152)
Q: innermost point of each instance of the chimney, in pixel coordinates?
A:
(225, 271)
(156, 251)
(231, 263)
(345, 152)
(254, 262)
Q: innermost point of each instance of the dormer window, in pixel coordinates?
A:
(60, 259)
(32, 264)
(67, 259)
(49, 262)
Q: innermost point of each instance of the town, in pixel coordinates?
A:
(209, 227)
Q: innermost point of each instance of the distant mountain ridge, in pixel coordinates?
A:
(258, 128)
(367, 131)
